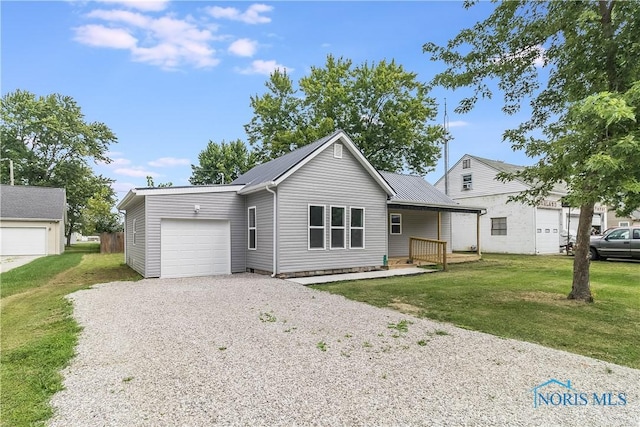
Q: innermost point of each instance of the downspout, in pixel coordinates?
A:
(275, 216)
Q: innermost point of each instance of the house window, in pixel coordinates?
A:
(337, 227)
(499, 226)
(337, 151)
(135, 231)
(396, 223)
(251, 223)
(466, 182)
(356, 240)
(466, 163)
(316, 227)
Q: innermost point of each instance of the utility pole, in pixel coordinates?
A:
(10, 169)
(446, 149)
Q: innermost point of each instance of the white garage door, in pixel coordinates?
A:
(194, 248)
(547, 231)
(23, 240)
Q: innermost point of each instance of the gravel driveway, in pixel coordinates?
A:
(252, 350)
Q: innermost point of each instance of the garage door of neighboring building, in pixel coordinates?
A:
(23, 240)
(547, 231)
(194, 248)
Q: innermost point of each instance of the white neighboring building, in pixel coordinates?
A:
(508, 227)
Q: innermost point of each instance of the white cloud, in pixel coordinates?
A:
(136, 172)
(169, 162)
(243, 47)
(253, 14)
(458, 124)
(535, 53)
(165, 41)
(264, 67)
(116, 161)
(100, 36)
(122, 187)
(144, 5)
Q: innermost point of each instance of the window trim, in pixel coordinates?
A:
(343, 227)
(134, 230)
(337, 150)
(494, 229)
(254, 228)
(363, 228)
(391, 223)
(466, 163)
(468, 185)
(316, 227)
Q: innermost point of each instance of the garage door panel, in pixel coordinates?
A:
(547, 231)
(23, 241)
(195, 248)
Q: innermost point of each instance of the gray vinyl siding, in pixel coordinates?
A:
(262, 257)
(417, 223)
(221, 206)
(136, 258)
(329, 181)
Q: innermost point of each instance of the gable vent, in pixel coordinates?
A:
(337, 151)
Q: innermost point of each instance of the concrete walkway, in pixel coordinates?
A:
(313, 280)
(10, 262)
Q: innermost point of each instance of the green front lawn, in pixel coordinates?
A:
(38, 331)
(522, 297)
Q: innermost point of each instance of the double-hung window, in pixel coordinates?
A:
(316, 227)
(356, 240)
(252, 229)
(135, 230)
(396, 223)
(338, 227)
(499, 226)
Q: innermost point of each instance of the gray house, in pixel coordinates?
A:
(321, 208)
(32, 220)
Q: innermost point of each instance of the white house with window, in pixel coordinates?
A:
(319, 209)
(508, 227)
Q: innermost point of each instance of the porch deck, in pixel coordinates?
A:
(453, 258)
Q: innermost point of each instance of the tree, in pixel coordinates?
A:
(98, 215)
(51, 145)
(222, 163)
(382, 107)
(591, 53)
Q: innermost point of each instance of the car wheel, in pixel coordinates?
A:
(593, 254)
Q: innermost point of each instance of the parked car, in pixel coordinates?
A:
(619, 242)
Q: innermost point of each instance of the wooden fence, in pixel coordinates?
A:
(428, 250)
(111, 242)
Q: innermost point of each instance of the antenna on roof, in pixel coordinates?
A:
(446, 149)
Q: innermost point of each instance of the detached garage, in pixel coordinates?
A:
(32, 220)
(185, 231)
(192, 247)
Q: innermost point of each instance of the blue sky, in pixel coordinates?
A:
(168, 76)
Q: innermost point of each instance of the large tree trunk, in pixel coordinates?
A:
(581, 289)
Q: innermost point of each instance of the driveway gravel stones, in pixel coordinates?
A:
(251, 350)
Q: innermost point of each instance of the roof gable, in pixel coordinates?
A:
(27, 202)
(277, 170)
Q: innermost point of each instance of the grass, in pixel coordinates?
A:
(38, 331)
(522, 297)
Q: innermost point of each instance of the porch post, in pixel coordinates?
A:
(439, 224)
(478, 233)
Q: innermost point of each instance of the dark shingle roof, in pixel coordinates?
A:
(411, 188)
(270, 171)
(26, 202)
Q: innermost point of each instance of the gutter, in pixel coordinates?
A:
(275, 216)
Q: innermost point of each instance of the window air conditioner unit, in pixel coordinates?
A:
(466, 186)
